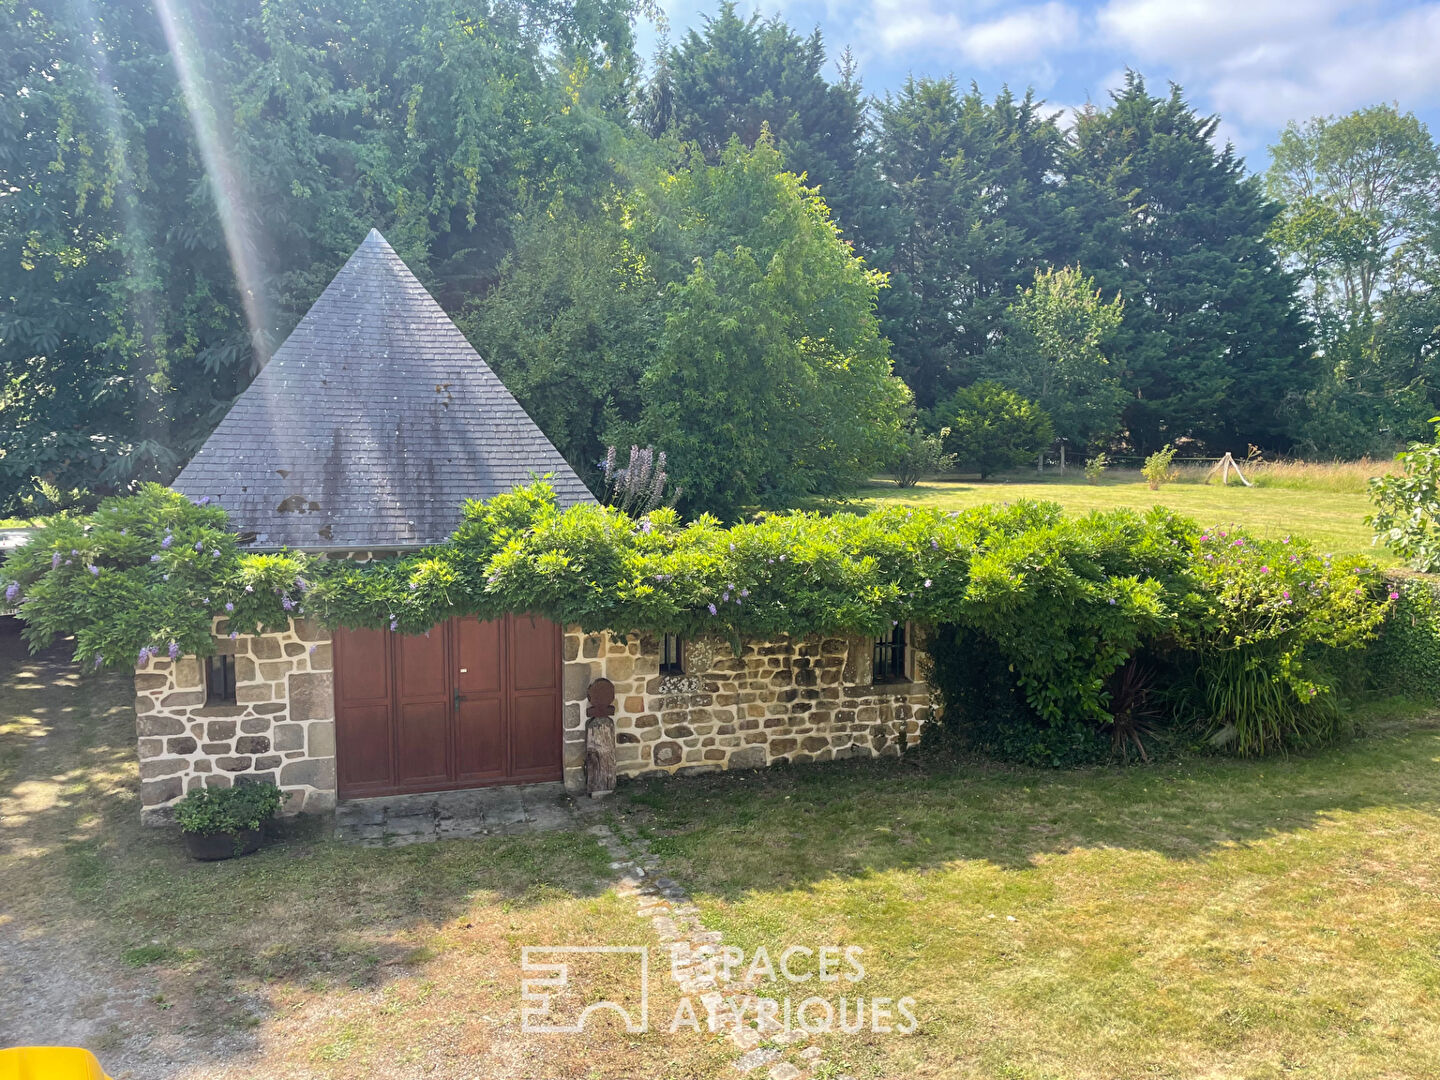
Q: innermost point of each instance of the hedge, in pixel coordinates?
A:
(1063, 601)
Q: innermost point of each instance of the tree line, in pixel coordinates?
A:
(729, 251)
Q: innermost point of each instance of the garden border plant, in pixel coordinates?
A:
(1063, 601)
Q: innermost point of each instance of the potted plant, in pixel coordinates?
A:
(221, 823)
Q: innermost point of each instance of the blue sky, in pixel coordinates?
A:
(1258, 63)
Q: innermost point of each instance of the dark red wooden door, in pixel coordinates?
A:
(467, 705)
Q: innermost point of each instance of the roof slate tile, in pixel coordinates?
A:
(371, 424)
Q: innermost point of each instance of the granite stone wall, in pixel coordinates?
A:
(281, 727)
(791, 700)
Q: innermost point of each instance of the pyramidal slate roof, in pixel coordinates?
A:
(371, 424)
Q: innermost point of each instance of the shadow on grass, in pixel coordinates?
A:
(221, 938)
(791, 827)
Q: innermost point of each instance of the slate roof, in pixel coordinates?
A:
(371, 424)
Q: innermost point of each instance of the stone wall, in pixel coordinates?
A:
(792, 700)
(281, 728)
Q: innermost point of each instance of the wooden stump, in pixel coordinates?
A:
(600, 739)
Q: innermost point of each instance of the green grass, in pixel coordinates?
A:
(1333, 520)
(1200, 918)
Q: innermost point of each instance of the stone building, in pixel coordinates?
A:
(361, 438)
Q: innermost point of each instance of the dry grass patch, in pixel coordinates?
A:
(312, 958)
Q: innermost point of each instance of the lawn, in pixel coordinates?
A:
(1332, 519)
(1201, 917)
(1210, 918)
(313, 958)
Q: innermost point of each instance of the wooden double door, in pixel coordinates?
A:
(468, 705)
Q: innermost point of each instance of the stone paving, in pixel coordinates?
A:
(491, 811)
(762, 1042)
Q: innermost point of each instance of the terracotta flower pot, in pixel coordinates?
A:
(210, 847)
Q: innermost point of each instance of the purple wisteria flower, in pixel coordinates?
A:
(165, 543)
(55, 561)
(94, 570)
(12, 591)
(249, 588)
(1113, 600)
(234, 634)
(199, 545)
(647, 526)
(313, 648)
(744, 592)
(712, 608)
(394, 624)
(164, 577)
(928, 583)
(143, 659)
(155, 557)
(935, 544)
(174, 650)
(287, 603)
(215, 554)
(99, 660)
(229, 606)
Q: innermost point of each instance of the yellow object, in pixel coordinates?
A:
(49, 1063)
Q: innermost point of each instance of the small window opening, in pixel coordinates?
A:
(220, 680)
(890, 656)
(672, 652)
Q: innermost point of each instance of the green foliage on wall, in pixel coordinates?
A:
(1063, 601)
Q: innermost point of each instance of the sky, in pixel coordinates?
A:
(1256, 63)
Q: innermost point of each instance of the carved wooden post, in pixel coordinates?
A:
(600, 739)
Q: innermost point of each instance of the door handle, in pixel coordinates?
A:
(458, 698)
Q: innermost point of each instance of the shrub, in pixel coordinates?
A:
(1407, 506)
(1096, 466)
(992, 428)
(143, 577)
(232, 810)
(1406, 658)
(1066, 602)
(918, 455)
(1157, 469)
(982, 708)
(1265, 610)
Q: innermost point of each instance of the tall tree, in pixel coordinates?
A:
(1213, 340)
(202, 170)
(974, 184)
(734, 77)
(771, 380)
(1054, 352)
(1361, 226)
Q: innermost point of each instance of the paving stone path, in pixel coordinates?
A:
(398, 820)
(760, 1038)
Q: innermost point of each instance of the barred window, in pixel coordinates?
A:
(220, 680)
(672, 652)
(890, 656)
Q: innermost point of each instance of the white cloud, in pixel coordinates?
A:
(1027, 34)
(1024, 36)
(1179, 30)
